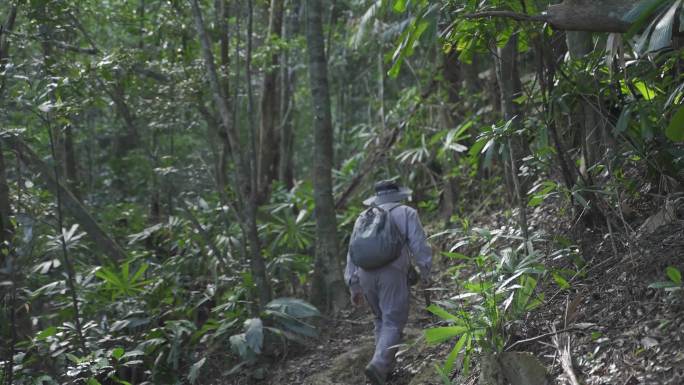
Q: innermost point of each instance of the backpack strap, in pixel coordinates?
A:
(405, 226)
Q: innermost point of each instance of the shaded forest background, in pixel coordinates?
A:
(175, 174)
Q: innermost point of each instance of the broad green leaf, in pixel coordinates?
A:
(399, 6)
(117, 353)
(562, 282)
(441, 313)
(623, 121)
(396, 67)
(93, 381)
(640, 14)
(675, 130)
(663, 285)
(254, 336)
(662, 33)
(449, 363)
(294, 307)
(674, 274)
(48, 332)
(195, 370)
(441, 334)
(647, 92)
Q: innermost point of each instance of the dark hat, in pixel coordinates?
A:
(387, 191)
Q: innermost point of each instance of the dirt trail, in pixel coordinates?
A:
(347, 346)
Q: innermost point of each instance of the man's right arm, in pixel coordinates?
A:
(420, 248)
(351, 278)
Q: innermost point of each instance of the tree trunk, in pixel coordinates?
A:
(506, 61)
(269, 130)
(288, 78)
(6, 227)
(70, 162)
(7, 26)
(452, 73)
(328, 287)
(243, 170)
(585, 116)
(72, 206)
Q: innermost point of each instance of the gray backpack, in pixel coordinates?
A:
(376, 240)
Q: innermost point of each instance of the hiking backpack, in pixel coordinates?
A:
(376, 240)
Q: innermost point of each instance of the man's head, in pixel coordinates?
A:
(387, 191)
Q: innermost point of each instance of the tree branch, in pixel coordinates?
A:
(574, 15)
(507, 14)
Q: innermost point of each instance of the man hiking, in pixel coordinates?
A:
(384, 237)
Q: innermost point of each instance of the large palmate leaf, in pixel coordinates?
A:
(293, 307)
(675, 130)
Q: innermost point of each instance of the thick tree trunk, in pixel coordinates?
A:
(328, 286)
(72, 206)
(269, 130)
(243, 169)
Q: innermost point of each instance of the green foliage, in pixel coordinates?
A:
(122, 283)
(675, 130)
(674, 283)
(285, 318)
(502, 289)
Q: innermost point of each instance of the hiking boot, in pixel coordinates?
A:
(373, 375)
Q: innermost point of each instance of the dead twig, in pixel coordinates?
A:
(542, 336)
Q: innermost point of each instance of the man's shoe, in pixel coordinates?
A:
(373, 375)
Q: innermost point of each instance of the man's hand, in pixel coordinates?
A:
(425, 282)
(357, 299)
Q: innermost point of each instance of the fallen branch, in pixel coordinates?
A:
(72, 205)
(542, 336)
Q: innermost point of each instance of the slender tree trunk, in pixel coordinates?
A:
(269, 130)
(328, 286)
(70, 161)
(243, 170)
(510, 88)
(7, 26)
(585, 116)
(288, 78)
(68, 265)
(452, 73)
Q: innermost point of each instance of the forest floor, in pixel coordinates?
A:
(619, 330)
